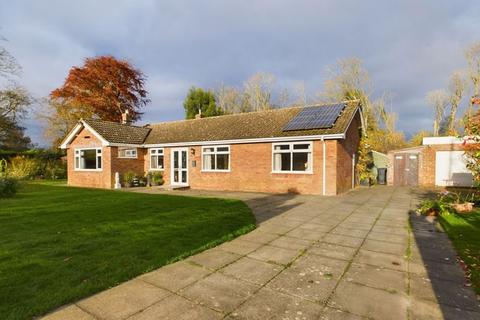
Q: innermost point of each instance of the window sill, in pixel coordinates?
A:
(88, 170)
(152, 169)
(215, 171)
(291, 172)
(127, 157)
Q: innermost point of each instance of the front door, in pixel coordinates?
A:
(179, 167)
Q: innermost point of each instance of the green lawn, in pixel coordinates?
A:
(59, 244)
(464, 231)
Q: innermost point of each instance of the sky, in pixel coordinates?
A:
(409, 47)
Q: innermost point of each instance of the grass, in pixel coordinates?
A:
(59, 244)
(464, 231)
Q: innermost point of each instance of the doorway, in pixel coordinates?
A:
(179, 167)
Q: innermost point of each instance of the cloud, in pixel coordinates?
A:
(409, 47)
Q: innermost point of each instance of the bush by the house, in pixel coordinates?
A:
(55, 169)
(128, 178)
(157, 178)
(22, 167)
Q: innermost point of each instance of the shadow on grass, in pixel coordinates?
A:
(433, 249)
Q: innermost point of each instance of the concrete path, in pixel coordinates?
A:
(347, 257)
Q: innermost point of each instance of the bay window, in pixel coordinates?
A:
(88, 159)
(216, 158)
(156, 159)
(295, 157)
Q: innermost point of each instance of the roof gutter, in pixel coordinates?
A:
(243, 141)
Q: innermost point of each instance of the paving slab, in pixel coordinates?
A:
(291, 243)
(427, 310)
(273, 254)
(240, 247)
(219, 292)
(270, 304)
(175, 276)
(385, 247)
(176, 308)
(343, 240)
(123, 301)
(351, 232)
(69, 312)
(306, 234)
(214, 258)
(370, 302)
(377, 277)
(385, 260)
(332, 251)
(251, 270)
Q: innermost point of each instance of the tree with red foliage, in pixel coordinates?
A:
(104, 87)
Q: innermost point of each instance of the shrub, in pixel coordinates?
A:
(128, 178)
(55, 169)
(8, 186)
(157, 178)
(21, 167)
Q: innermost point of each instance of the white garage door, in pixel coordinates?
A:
(451, 169)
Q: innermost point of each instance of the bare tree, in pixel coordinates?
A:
(300, 93)
(473, 60)
(258, 91)
(439, 100)
(13, 102)
(456, 89)
(8, 63)
(283, 98)
(229, 99)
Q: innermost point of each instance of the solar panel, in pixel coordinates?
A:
(318, 117)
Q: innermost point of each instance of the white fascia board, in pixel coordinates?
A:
(243, 141)
(128, 145)
(72, 135)
(428, 141)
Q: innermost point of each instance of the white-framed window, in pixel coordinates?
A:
(156, 159)
(216, 158)
(124, 152)
(88, 159)
(294, 157)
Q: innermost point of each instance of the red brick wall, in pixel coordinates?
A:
(345, 151)
(94, 179)
(251, 170)
(122, 165)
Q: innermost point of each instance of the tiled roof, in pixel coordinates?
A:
(252, 125)
(115, 132)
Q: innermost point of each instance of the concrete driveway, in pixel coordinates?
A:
(347, 257)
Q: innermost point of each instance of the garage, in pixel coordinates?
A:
(451, 169)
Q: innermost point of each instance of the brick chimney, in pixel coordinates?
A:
(126, 119)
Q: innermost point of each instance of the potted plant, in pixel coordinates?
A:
(365, 179)
(157, 179)
(128, 178)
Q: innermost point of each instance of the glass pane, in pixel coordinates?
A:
(160, 151)
(153, 162)
(222, 161)
(175, 175)
(175, 159)
(282, 147)
(184, 159)
(89, 159)
(99, 151)
(301, 146)
(281, 162)
(153, 151)
(77, 162)
(208, 149)
(300, 161)
(160, 162)
(208, 162)
(99, 162)
(184, 176)
(222, 149)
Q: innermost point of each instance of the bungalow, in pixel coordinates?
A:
(307, 150)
